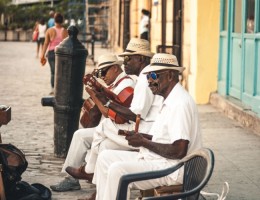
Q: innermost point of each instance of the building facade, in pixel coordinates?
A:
(217, 41)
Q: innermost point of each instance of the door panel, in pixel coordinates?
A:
(222, 71)
(254, 100)
(249, 67)
(235, 67)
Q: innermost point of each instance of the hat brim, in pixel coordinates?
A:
(142, 53)
(120, 62)
(159, 68)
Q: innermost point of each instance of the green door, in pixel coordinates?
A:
(239, 65)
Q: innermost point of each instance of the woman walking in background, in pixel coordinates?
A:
(41, 37)
(53, 37)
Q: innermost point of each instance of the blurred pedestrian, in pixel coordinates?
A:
(144, 24)
(41, 36)
(53, 37)
(35, 35)
(51, 21)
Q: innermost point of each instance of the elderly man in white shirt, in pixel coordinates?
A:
(175, 133)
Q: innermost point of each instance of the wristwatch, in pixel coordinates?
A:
(107, 104)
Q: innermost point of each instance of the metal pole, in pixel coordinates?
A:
(126, 33)
(164, 24)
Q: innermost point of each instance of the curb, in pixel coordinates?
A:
(234, 109)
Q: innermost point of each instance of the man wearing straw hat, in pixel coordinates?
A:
(136, 58)
(111, 72)
(175, 133)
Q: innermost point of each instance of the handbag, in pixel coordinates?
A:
(35, 35)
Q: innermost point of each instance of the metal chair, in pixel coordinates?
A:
(198, 168)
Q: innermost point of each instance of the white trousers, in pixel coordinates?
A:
(112, 164)
(79, 147)
(106, 137)
(91, 157)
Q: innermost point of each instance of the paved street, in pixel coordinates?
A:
(24, 82)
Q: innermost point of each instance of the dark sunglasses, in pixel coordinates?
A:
(154, 75)
(104, 71)
(126, 59)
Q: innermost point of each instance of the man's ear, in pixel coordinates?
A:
(117, 68)
(173, 75)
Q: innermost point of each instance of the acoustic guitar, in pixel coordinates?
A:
(91, 114)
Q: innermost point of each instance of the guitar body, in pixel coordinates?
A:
(90, 114)
(124, 98)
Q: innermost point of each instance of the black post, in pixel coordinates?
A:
(69, 71)
(164, 8)
(126, 33)
(6, 27)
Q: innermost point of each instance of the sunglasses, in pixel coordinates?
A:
(103, 72)
(154, 75)
(126, 59)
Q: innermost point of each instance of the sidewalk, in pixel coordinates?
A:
(24, 82)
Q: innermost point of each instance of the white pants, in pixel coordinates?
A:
(79, 147)
(112, 164)
(91, 157)
(106, 137)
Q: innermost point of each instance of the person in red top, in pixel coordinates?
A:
(53, 37)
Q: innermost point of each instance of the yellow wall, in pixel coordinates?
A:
(156, 27)
(207, 49)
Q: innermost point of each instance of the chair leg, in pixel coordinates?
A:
(201, 197)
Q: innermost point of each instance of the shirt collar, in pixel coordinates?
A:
(172, 94)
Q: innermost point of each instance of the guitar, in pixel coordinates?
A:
(91, 114)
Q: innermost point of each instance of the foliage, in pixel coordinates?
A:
(3, 4)
(24, 16)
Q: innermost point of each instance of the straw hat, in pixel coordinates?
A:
(161, 61)
(137, 46)
(108, 60)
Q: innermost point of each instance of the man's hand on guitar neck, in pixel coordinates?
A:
(90, 80)
(98, 99)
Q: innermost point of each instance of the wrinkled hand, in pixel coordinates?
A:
(134, 139)
(91, 81)
(96, 95)
(90, 91)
